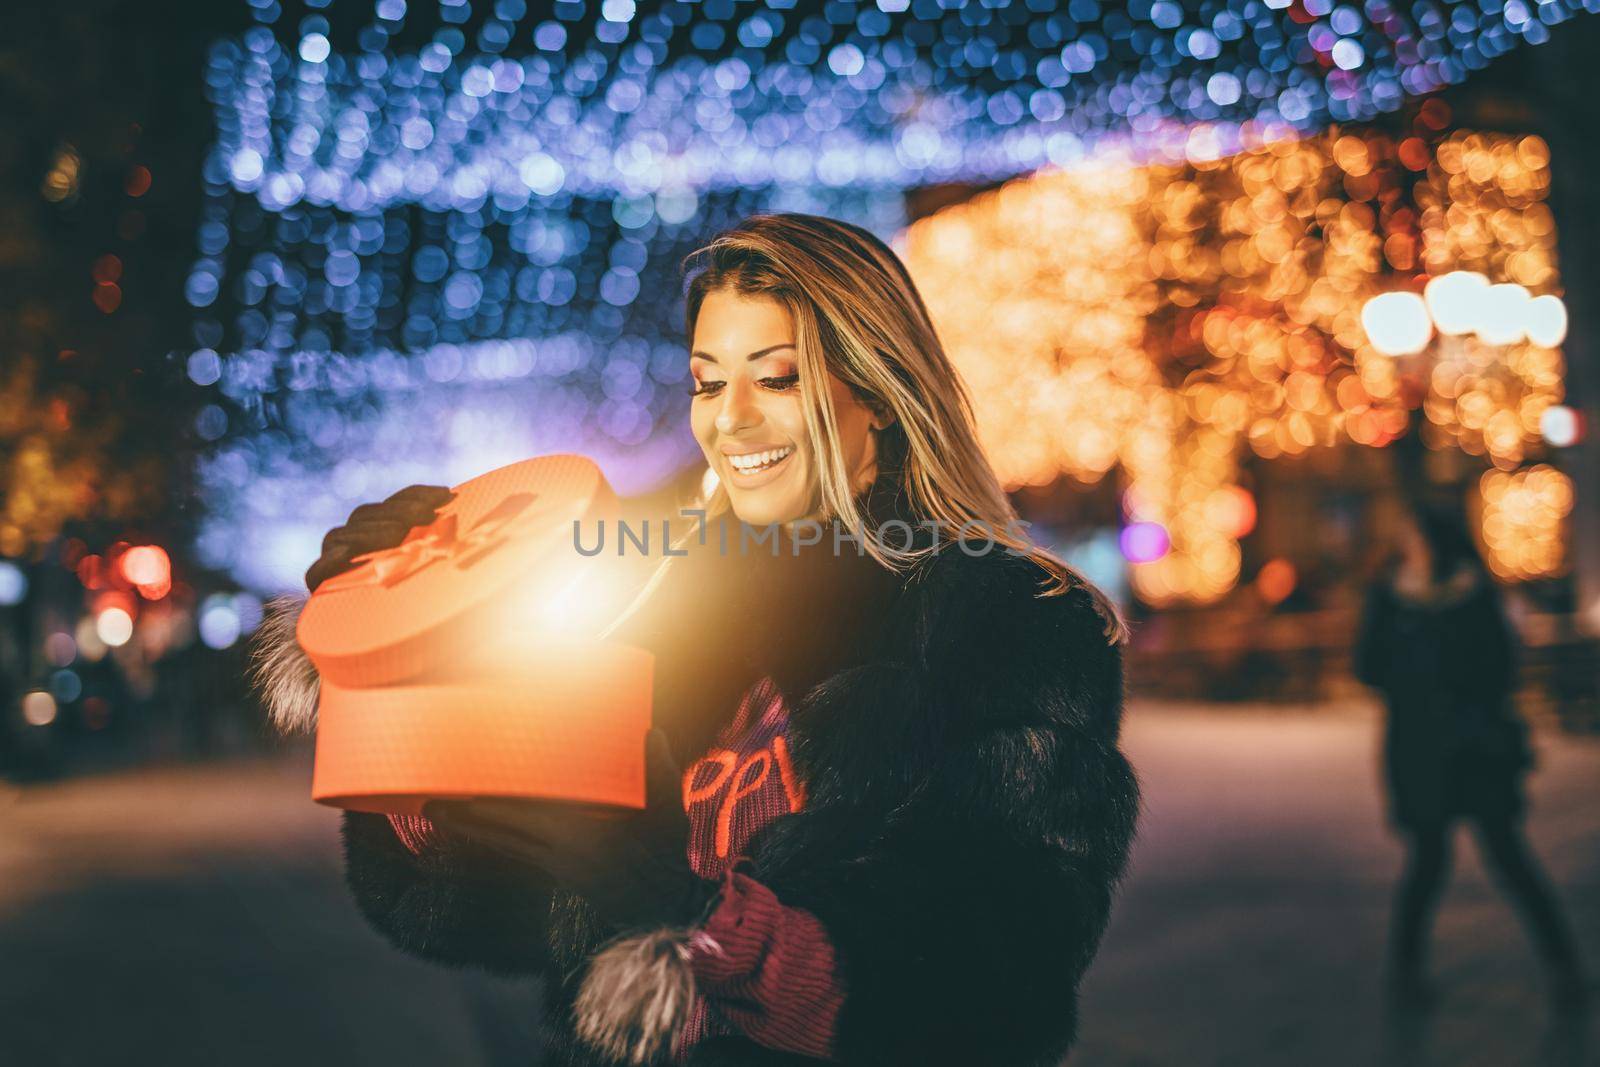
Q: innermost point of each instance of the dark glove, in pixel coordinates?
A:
(374, 527)
(631, 866)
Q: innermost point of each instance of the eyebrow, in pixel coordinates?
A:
(752, 357)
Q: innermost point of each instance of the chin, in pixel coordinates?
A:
(763, 512)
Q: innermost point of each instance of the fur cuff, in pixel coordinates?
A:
(280, 670)
(636, 996)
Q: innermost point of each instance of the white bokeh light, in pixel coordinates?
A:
(1547, 320)
(1560, 426)
(39, 708)
(1454, 300)
(1503, 315)
(1397, 324)
(114, 626)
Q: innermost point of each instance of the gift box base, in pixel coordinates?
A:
(567, 721)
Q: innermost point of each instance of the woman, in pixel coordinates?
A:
(1435, 640)
(903, 811)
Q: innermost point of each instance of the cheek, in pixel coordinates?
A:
(702, 423)
(855, 422)
(785, 414)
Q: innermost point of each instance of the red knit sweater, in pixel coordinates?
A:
(762, 969)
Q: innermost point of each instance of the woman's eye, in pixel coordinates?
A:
(705, 388)
(785, 381)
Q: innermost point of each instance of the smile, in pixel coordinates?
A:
(754, 463)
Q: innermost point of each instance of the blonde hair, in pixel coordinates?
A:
(858, 315)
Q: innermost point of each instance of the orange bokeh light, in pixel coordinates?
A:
(147, 565)
(1276, 580)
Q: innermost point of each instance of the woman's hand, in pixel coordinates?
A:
(375, 527)
(632, 866)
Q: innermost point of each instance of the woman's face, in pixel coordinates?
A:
(746, 412)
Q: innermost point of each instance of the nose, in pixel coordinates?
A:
(739, 410)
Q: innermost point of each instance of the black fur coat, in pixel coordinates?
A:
(968, 810)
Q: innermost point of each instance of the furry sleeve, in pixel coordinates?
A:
(450, 902)
(972, 815)
(456, 904)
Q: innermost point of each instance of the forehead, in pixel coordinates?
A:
(733, 323)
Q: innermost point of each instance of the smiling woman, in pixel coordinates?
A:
(749, 412)
(887, 810)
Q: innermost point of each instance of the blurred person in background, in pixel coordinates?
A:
(1435, 641)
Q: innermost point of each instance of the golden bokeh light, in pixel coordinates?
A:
(1157, 321)
(1524, 513)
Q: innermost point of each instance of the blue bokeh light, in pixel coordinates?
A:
(450, 238)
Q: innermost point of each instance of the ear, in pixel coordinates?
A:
(882, 416)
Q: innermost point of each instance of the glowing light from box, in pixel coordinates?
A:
(585, 601)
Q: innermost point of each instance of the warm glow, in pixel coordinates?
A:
(709, 483)
(1523, 512)
(1562, 426)
(87, 636)
(114, 626)
(1397, 324)
(1232, 510)
(1546, 320)
(39, 708)
(1153, 323)
(1503, 314)
(1276, 580)
(149, 569)
(1455, 300)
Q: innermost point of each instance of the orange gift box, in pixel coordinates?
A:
(457, 664)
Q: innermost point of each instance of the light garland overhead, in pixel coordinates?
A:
(438, 236)
(646, 98)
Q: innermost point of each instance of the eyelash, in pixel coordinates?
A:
(784, 382)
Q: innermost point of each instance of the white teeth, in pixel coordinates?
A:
(756, 461)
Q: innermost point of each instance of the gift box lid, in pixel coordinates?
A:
(437, 603)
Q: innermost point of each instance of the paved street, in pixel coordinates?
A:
(195, 915)
(1251, 927)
